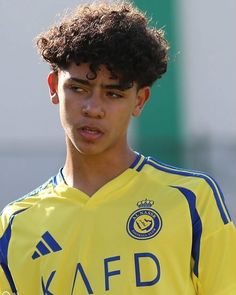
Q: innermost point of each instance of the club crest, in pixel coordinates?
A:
(145, 222)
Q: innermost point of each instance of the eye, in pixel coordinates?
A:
(76, 88)
(114, 94)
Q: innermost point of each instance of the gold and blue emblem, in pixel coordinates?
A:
(145, 222)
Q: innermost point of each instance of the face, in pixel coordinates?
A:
(95, 114)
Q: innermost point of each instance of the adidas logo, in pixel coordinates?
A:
(48, 245)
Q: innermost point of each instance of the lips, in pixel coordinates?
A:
(90, 133)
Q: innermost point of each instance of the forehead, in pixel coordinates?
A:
(102, 76)
(83, 71)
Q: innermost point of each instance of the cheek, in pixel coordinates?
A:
(69, 109)
(66, 118)
(121, 118)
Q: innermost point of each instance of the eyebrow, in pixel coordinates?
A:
(108, 86)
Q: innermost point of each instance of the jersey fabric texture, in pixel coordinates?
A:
(154, 229)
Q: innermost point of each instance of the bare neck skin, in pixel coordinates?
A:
(89, 173)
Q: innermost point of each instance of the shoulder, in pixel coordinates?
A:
(26, 202)
(173, 175)
(199, 188)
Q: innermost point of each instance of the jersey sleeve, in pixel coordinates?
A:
(4, 285)
(214, 243)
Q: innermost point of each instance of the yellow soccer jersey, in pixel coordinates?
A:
(154, 229)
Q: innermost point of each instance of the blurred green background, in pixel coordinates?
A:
(159, 131)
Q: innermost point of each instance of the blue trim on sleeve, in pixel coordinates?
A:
(219, 198)
(9, 278)
(196, 225)
(4, 244)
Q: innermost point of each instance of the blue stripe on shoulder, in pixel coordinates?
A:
(4, 244)
(39, 189)
(32, 193)
(218, 195)
(196, 225)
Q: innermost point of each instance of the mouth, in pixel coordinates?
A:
(90, 133)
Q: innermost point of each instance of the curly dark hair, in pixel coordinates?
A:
(115, 35)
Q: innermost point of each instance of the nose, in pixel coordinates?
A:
(93, 107)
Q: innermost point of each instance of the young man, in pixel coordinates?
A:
(113, 221)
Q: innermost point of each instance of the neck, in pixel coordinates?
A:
(90, 172)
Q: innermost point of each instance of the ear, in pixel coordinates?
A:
(142, 97)
(52, 84)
